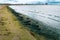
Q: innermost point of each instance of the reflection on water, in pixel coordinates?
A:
(48, 14)
(38, 27)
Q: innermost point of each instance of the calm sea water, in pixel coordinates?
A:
(48, 14)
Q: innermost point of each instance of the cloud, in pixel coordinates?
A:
(22, 1)
(18, 1)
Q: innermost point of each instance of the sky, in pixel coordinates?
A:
(32, 0)
(21, 1)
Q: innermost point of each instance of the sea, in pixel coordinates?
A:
(48, 14)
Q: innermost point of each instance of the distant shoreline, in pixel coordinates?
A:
(26, 4)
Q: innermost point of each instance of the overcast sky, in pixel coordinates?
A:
(21, 1)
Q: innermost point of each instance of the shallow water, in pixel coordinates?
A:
(48, 14)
